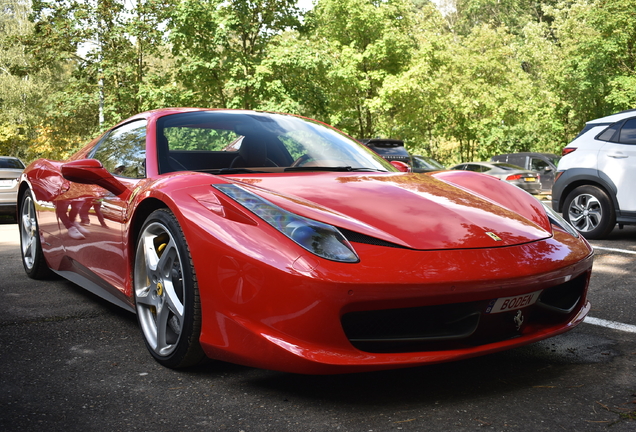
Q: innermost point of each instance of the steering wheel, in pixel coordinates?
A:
(301, 160)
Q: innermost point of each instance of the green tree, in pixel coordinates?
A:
(22, 89)
(218, 46)
(468, 97)
(293, 76)
(107, 45)
(513, 14)
(366, 41)
(597, 45)
(411, 105)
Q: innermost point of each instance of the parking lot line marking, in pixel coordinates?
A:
(610, 324)
(615, 250)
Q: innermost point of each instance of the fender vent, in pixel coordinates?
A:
(355, 237)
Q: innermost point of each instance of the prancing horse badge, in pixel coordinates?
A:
(493, 236)
(518, 320)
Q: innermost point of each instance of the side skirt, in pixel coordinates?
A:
(105, 291)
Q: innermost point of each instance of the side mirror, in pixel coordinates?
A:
(401, 166)
(91, 171)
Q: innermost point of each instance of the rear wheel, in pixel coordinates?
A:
(590, 211)
(33, 259)
(166, 293)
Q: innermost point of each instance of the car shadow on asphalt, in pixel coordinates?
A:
(537, 366)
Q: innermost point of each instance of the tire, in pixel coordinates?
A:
(33, 259)
(590, 211)
(166, 293)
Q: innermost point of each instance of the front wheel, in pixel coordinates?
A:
(166, 293)
(590, 211)
(33, 259)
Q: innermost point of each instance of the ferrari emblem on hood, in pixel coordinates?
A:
(493, 236)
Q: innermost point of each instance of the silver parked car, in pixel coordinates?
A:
(10, 170)
(523, 178)
(543, 163)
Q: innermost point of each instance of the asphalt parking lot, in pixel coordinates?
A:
(72, 362)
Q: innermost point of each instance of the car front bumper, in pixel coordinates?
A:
(297, 318)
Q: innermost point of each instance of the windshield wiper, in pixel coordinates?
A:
(234, 171)
(334, 169)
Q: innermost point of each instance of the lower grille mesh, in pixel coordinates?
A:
(458, 325)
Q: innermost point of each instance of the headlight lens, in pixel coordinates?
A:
(316, 237)
(557, 220)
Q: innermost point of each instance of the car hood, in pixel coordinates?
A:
(409, 210)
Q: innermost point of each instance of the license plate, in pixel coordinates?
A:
(530, 179)
(6, 183)
(505, 304)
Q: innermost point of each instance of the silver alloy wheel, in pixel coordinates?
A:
(159, 289)
(28, 232)
(585, 212)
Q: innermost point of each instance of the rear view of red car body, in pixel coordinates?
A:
(309, 262)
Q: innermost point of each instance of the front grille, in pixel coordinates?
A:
(457, 325)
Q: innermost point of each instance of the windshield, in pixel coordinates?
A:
(244, 141)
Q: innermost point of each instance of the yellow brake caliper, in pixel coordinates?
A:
(160, 250)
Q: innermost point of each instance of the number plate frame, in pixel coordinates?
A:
(506, 304)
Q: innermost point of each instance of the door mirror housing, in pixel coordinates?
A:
(91, 171)
(401, 166)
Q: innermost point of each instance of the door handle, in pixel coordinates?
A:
(617, 155)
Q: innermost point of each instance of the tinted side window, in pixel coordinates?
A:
(123, 151)
(476, 168)
(538, 165)
(628, 132)
(607, 134)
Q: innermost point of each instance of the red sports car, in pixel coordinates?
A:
(278, 242)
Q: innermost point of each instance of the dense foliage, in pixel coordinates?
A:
(483, 77)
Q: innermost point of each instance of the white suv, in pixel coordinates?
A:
(595, 185)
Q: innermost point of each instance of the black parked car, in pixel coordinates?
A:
(389, 149)
(393, 150)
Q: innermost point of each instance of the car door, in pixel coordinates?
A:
(94, 217)
(617, 160)
(545, 170)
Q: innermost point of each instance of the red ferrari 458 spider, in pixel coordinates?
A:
(278, 242)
